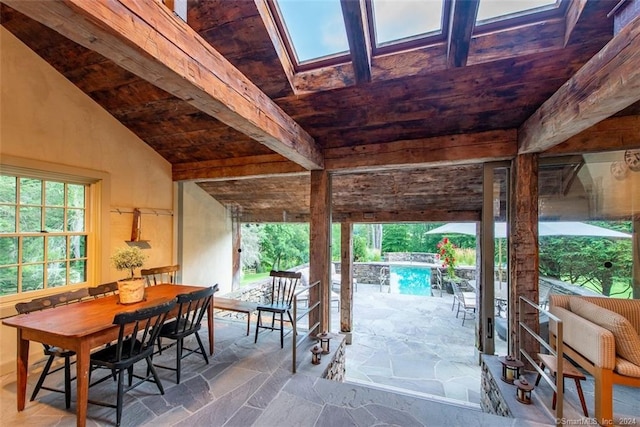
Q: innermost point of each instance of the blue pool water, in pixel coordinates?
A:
(410, 280)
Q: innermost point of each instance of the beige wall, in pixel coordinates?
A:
(47, 122)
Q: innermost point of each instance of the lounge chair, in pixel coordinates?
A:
(466, 302)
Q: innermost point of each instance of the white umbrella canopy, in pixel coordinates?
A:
(554, 228)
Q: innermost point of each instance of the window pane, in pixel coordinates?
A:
(78, 247)
(8, 280)
(54, 219)
(400, 20)
(57, 248)
(7, 189)
(54, 193)
(30, 220)
(75, 220)
(494, 9)
(75, 195)
(32, 277)
(33, 249)
(56, 274)
(78, 271)
(7, 219)
(315, 28)
(8, 250)
(30, 191)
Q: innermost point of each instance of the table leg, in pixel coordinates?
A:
(22, 360)
(210, 325)
(83, 357)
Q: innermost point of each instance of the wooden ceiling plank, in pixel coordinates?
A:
(574, 13)
(238, 167)
(606, 84)
(356, 24)
(461, 24)
(146, 39)
(612, 134)
(450, 149)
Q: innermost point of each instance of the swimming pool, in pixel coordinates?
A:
(410, 280)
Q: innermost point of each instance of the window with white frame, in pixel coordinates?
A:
(43, 232)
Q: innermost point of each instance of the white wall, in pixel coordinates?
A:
(46, 120)
(206, 240)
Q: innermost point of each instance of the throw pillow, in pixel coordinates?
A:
(627, 340)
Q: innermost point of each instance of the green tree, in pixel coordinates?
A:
(284, 245)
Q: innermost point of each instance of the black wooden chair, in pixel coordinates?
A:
(52, 352)
(159, 275)
(283, 287)
(191, 309)
(138, 332)
(104, 290)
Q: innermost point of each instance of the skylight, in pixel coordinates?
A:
(397, 21)
(497, 10)
(315, 28)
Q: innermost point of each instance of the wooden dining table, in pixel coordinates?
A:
(82, 327)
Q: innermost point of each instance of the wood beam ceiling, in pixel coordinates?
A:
(148, 40)
(461, 24)
(605, 85)
(356, 25)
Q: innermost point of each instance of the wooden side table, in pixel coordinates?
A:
(569, 371)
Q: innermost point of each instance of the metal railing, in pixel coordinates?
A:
(557, 352)
(298, 338)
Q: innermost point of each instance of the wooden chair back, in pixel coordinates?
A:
(191, 309)
(104, 290)
(158, 275)
(283, 287)
(52, 301)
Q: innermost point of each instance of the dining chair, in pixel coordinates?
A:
(138, 331)
(158, 275)
(283, 287)
(104, 290)
(52, 352)
(191, 309)
(466, 301)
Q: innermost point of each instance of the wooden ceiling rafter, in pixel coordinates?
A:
(573, 15)
(605, 85)
(148, 40)
(356, 25)
(462, 22)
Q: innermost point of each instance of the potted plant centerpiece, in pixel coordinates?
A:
(130, 289)
(447, 255)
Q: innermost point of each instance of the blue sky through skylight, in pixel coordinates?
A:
(400, 19)
(490, 9)
(316, 27)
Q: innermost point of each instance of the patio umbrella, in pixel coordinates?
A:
(546, 228)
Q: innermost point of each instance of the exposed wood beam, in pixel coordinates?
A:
(237, 167)
(450, 149)
(576, 7)
(436, 215)
(278, 43)
(355, 21)
(612, 134)
(148, 40)
(461, 23)
(606, 84)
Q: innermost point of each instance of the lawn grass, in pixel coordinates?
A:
(249, 278)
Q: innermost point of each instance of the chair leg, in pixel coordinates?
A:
(203, 352)
(179, 345)
(258, 323)
(281, 330)
(67, 382)
(119, 396)
(155, 376)
(43, 375)
(581, 396)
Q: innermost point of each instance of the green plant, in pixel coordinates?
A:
(128, 258)
(447, 252)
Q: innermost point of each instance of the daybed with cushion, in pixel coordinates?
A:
(602, 336)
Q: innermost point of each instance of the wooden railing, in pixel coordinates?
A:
(557, 352)
(300, 336)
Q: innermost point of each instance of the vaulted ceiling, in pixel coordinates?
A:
(404, 134)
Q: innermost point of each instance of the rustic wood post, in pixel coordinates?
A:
(236, 237)
(319, 247)
(346, 279)
(523, 244)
